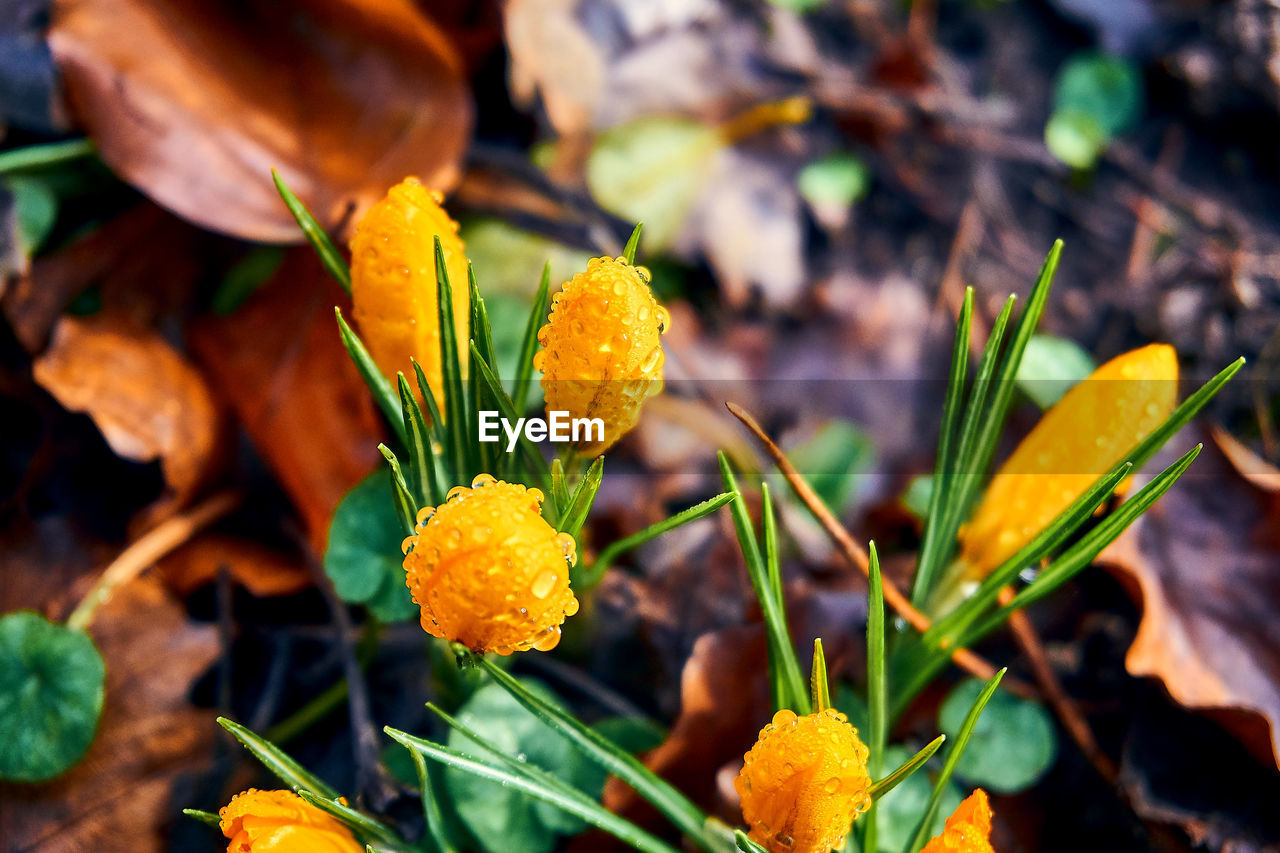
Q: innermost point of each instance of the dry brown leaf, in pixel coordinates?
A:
(119, 797)
(1210, 590)
(146, 399)
(261, 570)
(193, 102)
(280, 364)
(724, 702)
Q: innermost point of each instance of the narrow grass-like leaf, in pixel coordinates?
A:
(784, 667)
(431, 810)
(1180, 416)
(383, 394)
(633, 242)
(933, 548)
(49, 154)
(317, 236)
(682, 813)
(361, 823)
(529, 345)
(579, 806)
(1082, 553)
(536, 464)
(611, 552)
(457, 409)
(277, 761)
(405, 503)
(487, 452)
(207, 818)
(772, 559)
(1041, 545)
(964, 476)
(426, 478)
(579, 504)
(877, 685)
(819, 688)
(745, 844)
(953, 758)
(559, 486)
(911, 765)
(1006, 377)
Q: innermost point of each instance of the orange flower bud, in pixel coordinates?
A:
(804, 782)
(968, 830)
(393, 282)
(488, 572)
(1078, 440)
(602, 356)
(282, 822)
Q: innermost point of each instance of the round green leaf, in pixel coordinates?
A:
(1106, 88)
(501, 818)
(652, 170)
(363, 558)
(900, 810)
(1050, 366)
(51, 686)
(833, 460)
(836, 179)
(1075, 137)
(1013, 744)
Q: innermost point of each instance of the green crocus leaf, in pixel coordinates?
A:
(1013, 744)
(51, 688)
(363, 558)
(898, 812)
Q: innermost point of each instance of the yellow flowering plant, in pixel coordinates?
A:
(491, 540)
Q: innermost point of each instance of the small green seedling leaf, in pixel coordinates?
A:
(35, 208)
(1050, 367)
(51, 691)
(363, 557)
(836, 180)
(832, 460)
(1013, 744)
(245, 277)
(501, 818)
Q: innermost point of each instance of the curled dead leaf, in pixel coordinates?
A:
(146, 399)
(119, 796)
(193, 102)
(263, 571)
(1210, 592)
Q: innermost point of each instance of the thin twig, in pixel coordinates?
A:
(968, 661)
(1073, 719)
(373, 780)
(147, 549)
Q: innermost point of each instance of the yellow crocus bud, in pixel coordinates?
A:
(602, 354)
(1082, 437)
(804, 782)
(968, 830)
(393, 282)
(488, 572)
(282, 822)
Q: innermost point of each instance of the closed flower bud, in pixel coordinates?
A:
(968, 830)
(602, 354)
(804, 782)
(393, 282)
(488, 572)
(282, 822)
(1082, 437)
